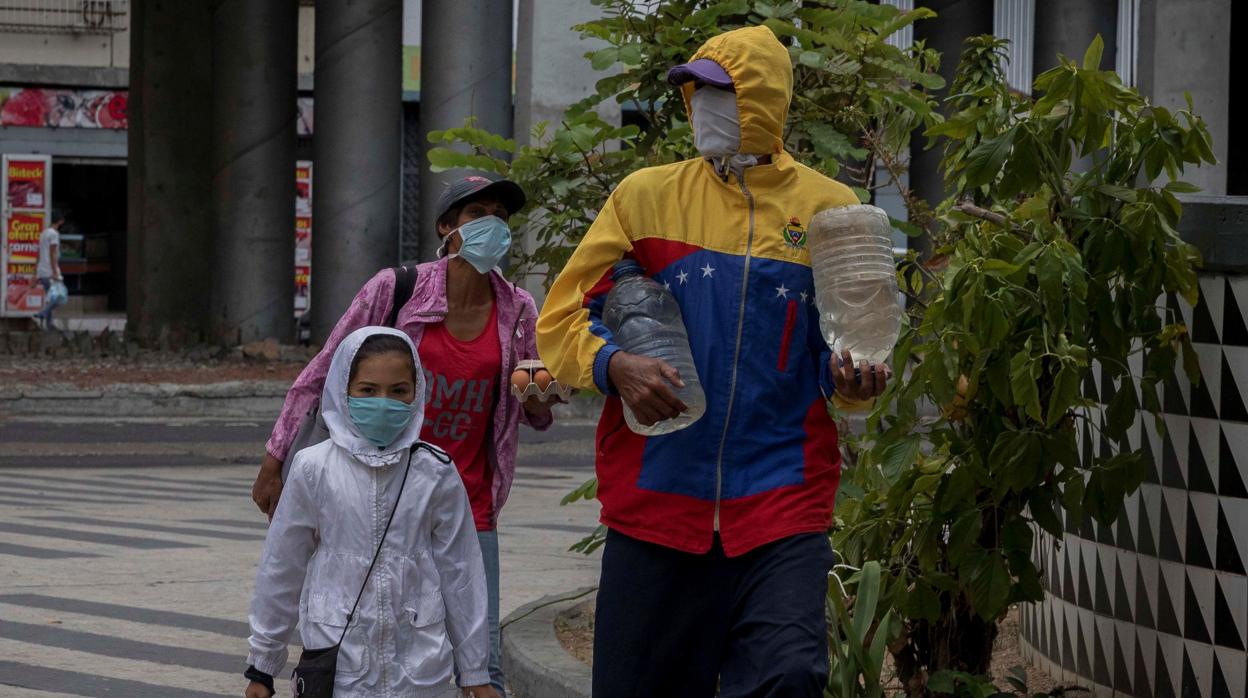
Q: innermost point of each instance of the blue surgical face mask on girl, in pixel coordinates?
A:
(486, 241)
(379, 419)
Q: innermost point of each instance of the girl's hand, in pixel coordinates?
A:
(255, 689)
(486, 691)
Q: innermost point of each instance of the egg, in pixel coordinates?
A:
(521, 379)
(543, 378)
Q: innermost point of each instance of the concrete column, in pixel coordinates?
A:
(545, 39)
(1067, 27)
(955, 21)
(253, 138)
(1185, 45)
(356, 147)
(466, 58)
(169, 250)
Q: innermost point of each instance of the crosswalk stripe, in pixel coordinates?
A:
(91, 536)
(153, 527)
(76, 683)
(134, 614)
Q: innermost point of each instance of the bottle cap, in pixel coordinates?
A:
(625, 267)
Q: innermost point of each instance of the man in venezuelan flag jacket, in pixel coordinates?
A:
(716, 561)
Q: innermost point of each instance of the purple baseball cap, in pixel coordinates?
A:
(463, 190)
(704, 69)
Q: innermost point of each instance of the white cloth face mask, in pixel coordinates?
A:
(716, 123)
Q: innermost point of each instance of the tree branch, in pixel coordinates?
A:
(971, 209)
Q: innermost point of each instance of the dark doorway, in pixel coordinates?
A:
(93, 196)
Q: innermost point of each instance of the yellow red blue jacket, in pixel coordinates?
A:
(763, 462)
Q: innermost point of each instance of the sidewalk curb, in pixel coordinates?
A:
(242, 399)
(535, 663)
(228, 399)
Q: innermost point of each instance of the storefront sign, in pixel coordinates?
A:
(26, 183)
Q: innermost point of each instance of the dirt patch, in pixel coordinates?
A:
(96, 372)
(1007, 654)
(575, 630)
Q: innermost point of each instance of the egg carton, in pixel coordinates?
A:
(555, 389)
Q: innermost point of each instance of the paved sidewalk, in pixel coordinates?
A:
(128, 549)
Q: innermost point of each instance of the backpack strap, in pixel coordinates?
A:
(404, 284)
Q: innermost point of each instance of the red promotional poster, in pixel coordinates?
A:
(26, 184)
(60, 108)
(303, 236)
(302, 291)
(21, 240)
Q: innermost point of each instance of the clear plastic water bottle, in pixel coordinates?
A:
(851, 253)
(645, 319)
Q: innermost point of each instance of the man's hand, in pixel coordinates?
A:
(486, 691)
(869, 382)
(255, 689)
(268, 487)
(645, 385)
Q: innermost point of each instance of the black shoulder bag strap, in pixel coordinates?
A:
(404, 284)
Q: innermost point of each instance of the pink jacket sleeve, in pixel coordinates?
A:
(371, 306)
(528, 350)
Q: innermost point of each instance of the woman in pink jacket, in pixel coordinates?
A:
(470, 326)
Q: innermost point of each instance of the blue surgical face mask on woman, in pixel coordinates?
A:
(379, 419)
(485, 241)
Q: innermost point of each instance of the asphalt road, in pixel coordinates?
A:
(128, 549)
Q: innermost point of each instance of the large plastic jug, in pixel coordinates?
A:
(645, 319)
(851, 255)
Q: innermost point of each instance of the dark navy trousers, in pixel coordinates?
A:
(670, 623)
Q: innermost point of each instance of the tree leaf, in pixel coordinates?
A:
(1122, 410)
(1092, 57)
(923, 602)
(963, 536)
(984, 162)
(1118, 192)
(999, 267)
(989, 585)
(1040, 504)
(867, 597)
(899, 455)
(1065, 392)
(1179, 187)
(1023, 383)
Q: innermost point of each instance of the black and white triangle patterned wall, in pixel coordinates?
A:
(1157, 604)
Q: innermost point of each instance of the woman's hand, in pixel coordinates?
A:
(537, 408)
(268, 486)
(255, 689)
(486, 691)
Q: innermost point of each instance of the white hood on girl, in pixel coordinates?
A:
(338, 418)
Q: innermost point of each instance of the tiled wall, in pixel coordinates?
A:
(1157, 605)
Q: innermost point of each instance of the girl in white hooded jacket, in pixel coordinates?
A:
(425, 601)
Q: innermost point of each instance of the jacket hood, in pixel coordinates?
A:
(342, 431)
(762, 75)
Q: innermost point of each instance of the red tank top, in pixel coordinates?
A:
(461, 385)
